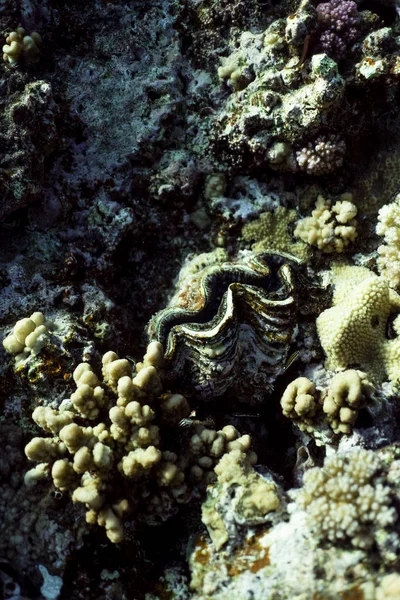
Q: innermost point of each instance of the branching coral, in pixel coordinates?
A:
(106, 446)
(350, 499)
(330, 228)
(21, 48)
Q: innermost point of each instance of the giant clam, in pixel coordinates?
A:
(230, 324)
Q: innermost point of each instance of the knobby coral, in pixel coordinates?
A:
(107, 447)
(329, 228)
(388, 226)
(21, 48)
(352, 498)
(322, 156)
(339, 21)
(337, 405)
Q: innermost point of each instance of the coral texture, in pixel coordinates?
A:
(350, 499)
(322, 156)
(353, 331)
(340, 24)
(388, 227)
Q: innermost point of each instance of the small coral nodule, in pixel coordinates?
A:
(322, 156)
(21, 48)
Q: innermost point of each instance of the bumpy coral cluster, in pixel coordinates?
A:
(21, 48)
(339, 21)
(338, 405)
(353, 330)
(27, 338)
(273, 231)
(239, 496)
(329, 228)
(351, 499)
(106, 449)
(322, 156)
(388, 226)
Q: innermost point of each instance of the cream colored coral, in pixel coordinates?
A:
(389, 587)
(300, 403)
(103, 443)
(253, 500)
(349, 499)
(347, 393)
(329, 228)
(207, 446)
(353, 331)
(114, 368)
(388, 226)
(21, 48)
(27, 338)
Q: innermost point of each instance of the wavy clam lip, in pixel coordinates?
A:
(240, 336)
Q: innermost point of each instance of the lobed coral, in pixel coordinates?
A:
(240, 496)
(353, 330)
(27, 338)
(21, 48)
(337, 405)
(322, 156)
(388, 227)
(330, 228)
(106, 448)
(351, 499)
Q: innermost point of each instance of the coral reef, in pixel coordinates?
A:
(179, 172)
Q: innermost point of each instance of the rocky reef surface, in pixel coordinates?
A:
(200, 300)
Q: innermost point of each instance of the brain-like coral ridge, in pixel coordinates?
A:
(105, 446)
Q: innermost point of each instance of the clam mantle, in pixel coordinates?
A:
(230, 324)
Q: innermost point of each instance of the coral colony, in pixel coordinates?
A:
(213, 186)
